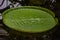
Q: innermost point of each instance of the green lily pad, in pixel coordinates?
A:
(29, 19)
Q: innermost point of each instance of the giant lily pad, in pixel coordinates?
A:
(29, 19)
